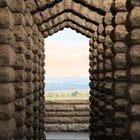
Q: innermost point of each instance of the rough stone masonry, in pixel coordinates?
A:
(113, 27)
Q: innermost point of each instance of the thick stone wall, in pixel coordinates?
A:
(66, 116)
(21, 73)
(114, 62)
(114, 29)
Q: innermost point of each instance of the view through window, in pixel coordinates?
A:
(67, 63)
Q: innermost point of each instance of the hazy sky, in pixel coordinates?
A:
(67, 54)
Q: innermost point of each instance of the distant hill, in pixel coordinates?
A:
(66, 83)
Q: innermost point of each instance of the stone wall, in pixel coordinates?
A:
(114, 62)
(21, 73)
(66, 116)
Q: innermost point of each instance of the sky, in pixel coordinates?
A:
(67, 54)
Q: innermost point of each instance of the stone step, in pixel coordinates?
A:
(67, 136)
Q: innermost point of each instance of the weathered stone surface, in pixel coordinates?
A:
(66, 119)
(120, 90)
(120, 17)
(60, 107)
(7, 111)
(133, 92)
(6, 37)
(134, 17)
(7, 56)
(7, 74)
(134, 74)
(120, 5)
(20, 61)
(20, 117)
(6, 18)
(108, 18)
(7, 129)
(120, 47)
(81, 107)
(135, 2)
(135, 130)
(135, 112)
(55, 127)
(78, 127)
(120, 33)
(119, 61)
(134, 54)
(135, 36)
(7, 93)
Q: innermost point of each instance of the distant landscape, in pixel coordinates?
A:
(67, 88)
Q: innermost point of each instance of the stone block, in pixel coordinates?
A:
(7, 111)
(38, 19)
(7, 37)
(20, 132)
(19, 19)
(108, 18)
(108, 53)
(6, 18)
(59, 108)
(135, 130)
(81, 107)
(5, 3)
(121, 104)
(135, 112)
(100, 66)
(20, 61)
(134, 55)
(119, 61)
(120, 33)
(120, 132)
(121, 17)
(108, 42)
(20, 104)
(120, 90)
(20, 75)
(17, 6)
(120, 118)
(78, 127)
(100, 49)
(100, 29)
(20, 47)
(134, 17)
(30, 76)
(108, 29)
(107, 65)
(7, 74)
(20, 33)
(66, 113)
(7, 129)
(135, 36)
(120, 47)
(120, 5)
(134, 74)
(41, 3)
(134, 93)
(20, 117)
(31, 5)
(120, 75)
(135, 2)
(55, 127)
(21, 89)
(7, 93)
(28, 20)
(7, 56)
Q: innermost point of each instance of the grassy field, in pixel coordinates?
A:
(67, 94)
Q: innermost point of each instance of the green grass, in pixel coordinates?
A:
(67, 94)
